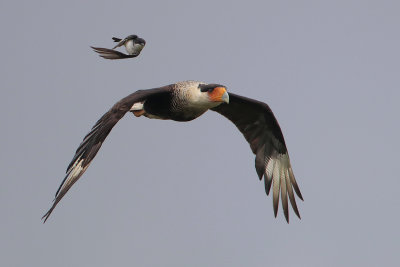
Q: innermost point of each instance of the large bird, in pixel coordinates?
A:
(185, 101)
(133, 45)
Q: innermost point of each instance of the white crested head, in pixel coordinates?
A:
(202, 95)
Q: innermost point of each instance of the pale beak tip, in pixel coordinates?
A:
(225, 98)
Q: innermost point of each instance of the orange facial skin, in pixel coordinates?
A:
(216, 94)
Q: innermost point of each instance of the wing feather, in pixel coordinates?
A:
(276, 186)
(291, 195)
(111, 54)
(284, 194)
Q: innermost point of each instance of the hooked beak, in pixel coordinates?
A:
(225, 97)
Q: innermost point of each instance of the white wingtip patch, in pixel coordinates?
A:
(278, 170)
(275, 166)
(270, 168)
(276, 175)
(75, 171)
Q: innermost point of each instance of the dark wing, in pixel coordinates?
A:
(259, 126)
(119, 41)
(116, 39)
(92, 142)
(111, 54)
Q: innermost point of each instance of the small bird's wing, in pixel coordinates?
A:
(116, 39)
(92, 142)
(120, 42)
(111, 54)
(259, 126)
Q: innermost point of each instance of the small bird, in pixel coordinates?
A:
(133, 45)
(185, 101)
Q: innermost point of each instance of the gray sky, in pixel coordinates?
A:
(162, 193)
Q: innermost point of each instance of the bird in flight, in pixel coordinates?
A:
(133, 46)
(185, 101)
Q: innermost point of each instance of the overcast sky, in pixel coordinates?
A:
(162, 193)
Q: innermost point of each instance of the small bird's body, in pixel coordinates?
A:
(185, 101)
(133, 46)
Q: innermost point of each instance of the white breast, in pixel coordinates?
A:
(133, 49)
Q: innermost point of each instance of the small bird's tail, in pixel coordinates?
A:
(116, 39)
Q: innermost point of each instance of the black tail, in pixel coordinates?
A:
(116, 39)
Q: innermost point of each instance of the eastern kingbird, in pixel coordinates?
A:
(133, 45)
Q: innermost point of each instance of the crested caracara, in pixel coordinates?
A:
(185, 101)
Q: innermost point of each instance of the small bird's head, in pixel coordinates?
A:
(131, 37)
(215, 92)
(136, 40)
(140, 41)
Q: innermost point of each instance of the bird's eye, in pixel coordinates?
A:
(206, 87)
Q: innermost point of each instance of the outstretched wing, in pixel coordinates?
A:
(92, 142)
(111, 54)
(259, 126)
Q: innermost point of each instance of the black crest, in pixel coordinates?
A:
(209, 87)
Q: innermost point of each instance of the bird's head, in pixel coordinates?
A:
(140, 41)
(135, 46)
(136, 40)
(131, 37)
(215, 92)
(201, 96)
